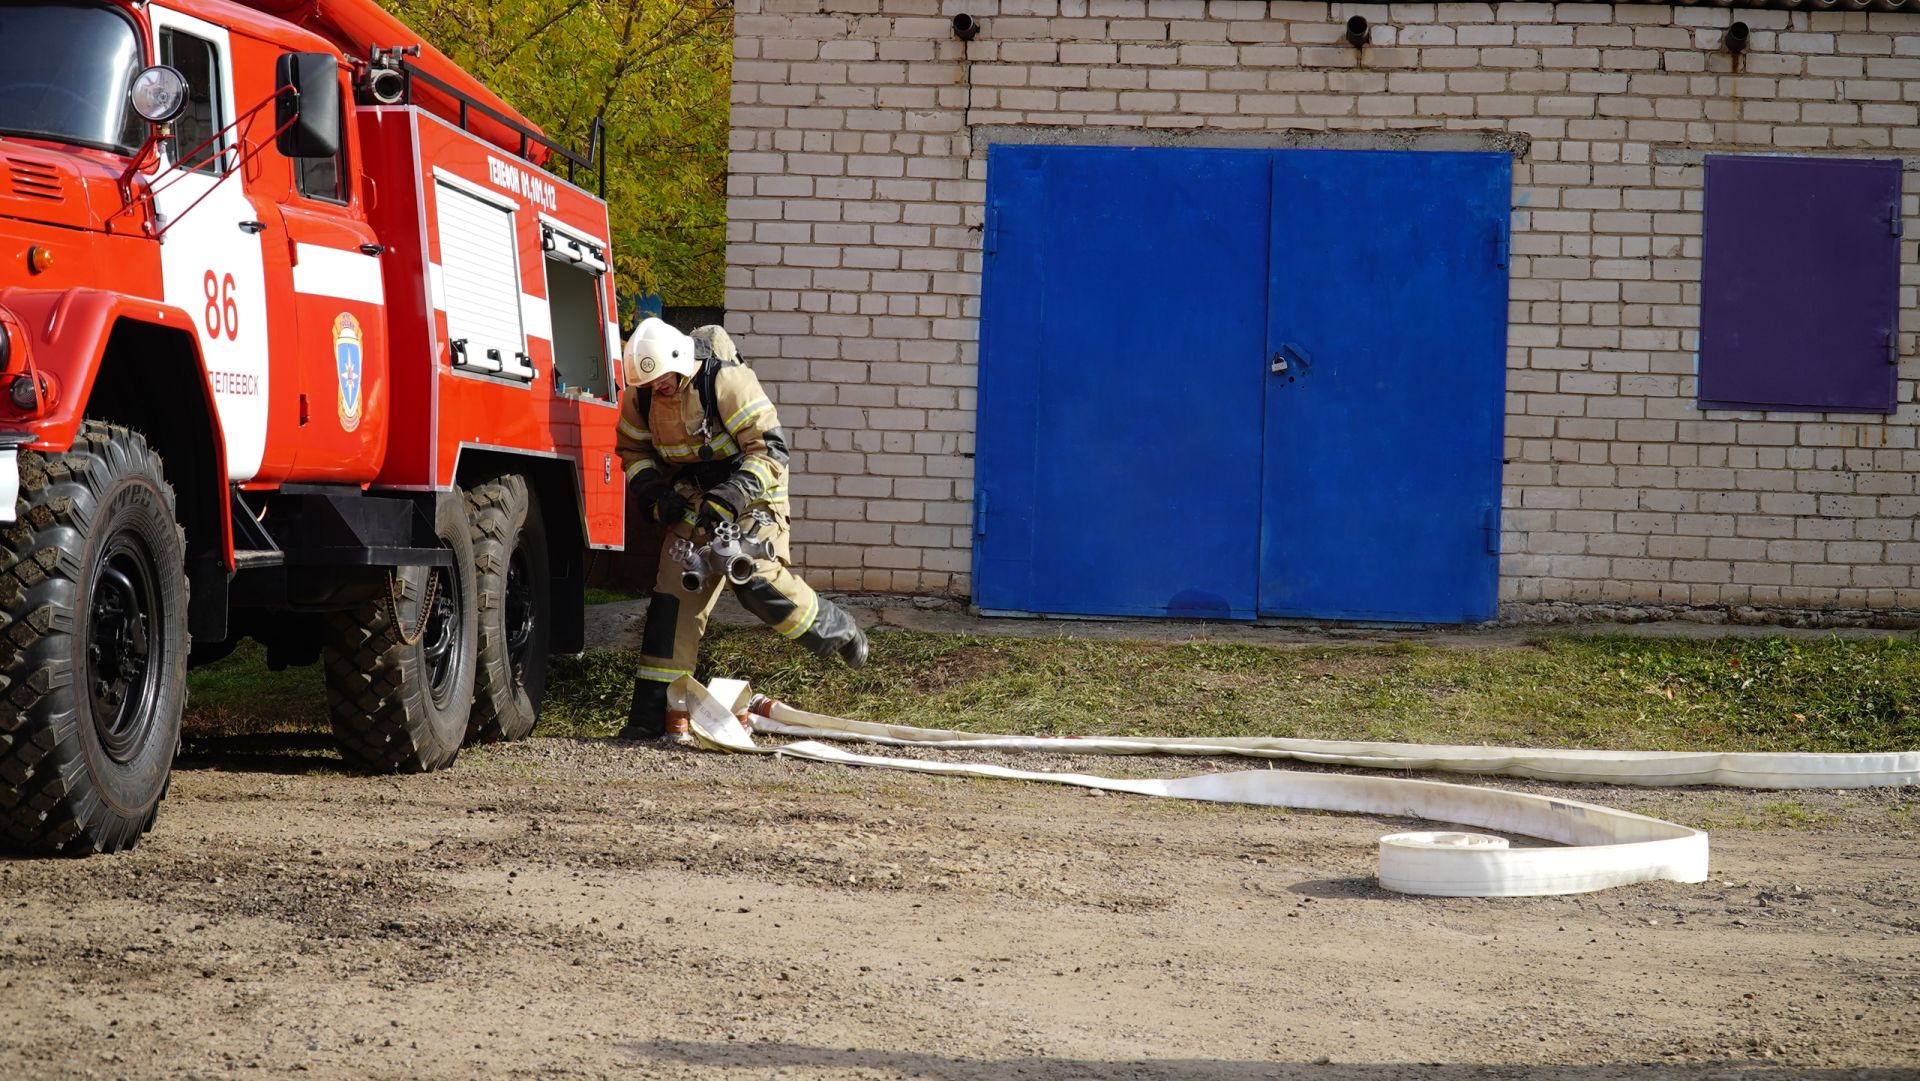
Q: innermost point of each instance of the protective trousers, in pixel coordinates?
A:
(677, 618)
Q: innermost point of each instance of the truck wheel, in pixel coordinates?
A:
(93, 646)
(510, 558)
(399, 690)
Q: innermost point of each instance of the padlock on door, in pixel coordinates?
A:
(1290, 361)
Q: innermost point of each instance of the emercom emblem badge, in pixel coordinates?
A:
(346, 359)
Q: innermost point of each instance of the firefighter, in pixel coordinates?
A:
(701, 445)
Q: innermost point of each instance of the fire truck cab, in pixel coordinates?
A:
(302, 340)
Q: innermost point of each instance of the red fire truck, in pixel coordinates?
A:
(303, 340)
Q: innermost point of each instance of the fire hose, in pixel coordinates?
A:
(1599, 847)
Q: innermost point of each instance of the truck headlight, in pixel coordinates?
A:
(22, 393)
(158, 93)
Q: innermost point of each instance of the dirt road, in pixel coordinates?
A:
(588, 909)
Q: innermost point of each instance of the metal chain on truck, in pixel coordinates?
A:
(392, 604)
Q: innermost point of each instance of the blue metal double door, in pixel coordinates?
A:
(1240, 383)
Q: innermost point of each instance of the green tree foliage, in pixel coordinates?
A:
(657, 72)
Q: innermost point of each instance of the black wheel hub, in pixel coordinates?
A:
(123, 625)
(440, 642)
(519, 616)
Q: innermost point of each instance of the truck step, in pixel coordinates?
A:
(250, 558)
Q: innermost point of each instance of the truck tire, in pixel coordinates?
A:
(93, 646)
(510, 561)
(399, 692)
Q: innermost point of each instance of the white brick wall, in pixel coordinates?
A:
(855, 191)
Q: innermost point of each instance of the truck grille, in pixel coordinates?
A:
(34, 180)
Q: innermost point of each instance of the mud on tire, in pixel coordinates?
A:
(510, 561)
(399, 692)
(93, 646)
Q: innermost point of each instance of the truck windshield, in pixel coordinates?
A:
(64, 73)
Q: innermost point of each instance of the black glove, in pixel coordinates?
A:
(729, 496)
(641, 498)
(715, 509)
(669, 507)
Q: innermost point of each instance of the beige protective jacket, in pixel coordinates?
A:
(719, 437)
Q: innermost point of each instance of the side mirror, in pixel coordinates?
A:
(306, 105)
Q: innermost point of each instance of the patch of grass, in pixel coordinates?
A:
(1617, 691)
(587, 695)
(1791, 815)
(1714, 814)
(596, 595)
(1827, 694)
(1766, 694)
(238, 695)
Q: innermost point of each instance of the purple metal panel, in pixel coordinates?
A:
(1800, 287)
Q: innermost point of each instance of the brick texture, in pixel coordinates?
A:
(856, 181)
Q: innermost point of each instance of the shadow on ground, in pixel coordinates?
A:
(288, 753)
(933, 1067)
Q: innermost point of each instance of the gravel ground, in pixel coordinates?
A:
(580, 908)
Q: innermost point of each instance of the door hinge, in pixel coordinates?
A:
(980, 514)
(1893, 346)
(1490, 529)
(1502, 244)
(991, 242)
(1895, 225)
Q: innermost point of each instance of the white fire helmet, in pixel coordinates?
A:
(657, 349)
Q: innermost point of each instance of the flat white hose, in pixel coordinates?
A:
(1604, 847)
(1660, 769)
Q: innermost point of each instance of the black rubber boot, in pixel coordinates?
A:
(835, 634)
(647, 718)
(855, 651)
